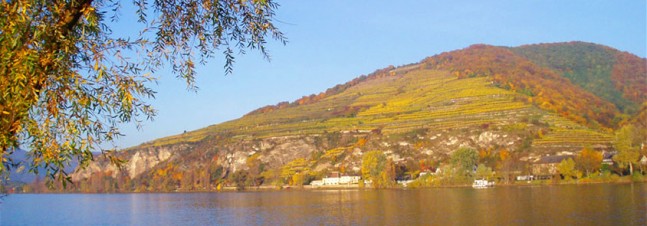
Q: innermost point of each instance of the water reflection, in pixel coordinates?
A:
(623, 204)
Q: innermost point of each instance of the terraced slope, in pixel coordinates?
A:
(474, 86)
(394, 104)
(565, 133)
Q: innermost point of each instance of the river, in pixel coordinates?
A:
(596, 204)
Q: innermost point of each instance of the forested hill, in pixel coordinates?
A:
(521, 102)
(618, 77)
(584, 82)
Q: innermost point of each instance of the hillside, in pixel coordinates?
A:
(493, 99)
(617, 77)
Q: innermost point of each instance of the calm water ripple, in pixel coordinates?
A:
(600, 204)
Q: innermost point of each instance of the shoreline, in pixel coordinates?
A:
(343, 187)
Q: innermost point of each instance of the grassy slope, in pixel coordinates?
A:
(398, 104)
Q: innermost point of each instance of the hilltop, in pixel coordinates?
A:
(527, 101)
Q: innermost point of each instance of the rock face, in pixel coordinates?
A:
(144, 160)
(275, 152)
(137, 162)
(96, 167)
(288, 149)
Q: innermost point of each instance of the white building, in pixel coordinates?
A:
(336, 179)
(343, 180)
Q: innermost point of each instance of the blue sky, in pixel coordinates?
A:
(332, 42)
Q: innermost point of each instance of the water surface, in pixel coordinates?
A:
(601, 204)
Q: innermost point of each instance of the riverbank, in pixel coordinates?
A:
(287, 187)
(581, 181)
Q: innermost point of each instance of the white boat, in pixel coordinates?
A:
(482, 184)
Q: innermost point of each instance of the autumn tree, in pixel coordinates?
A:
(378, 169)
(567, 169)
(372, 164)
(589, 160)
(505, 165)
(255, 168)
(388, 175)
(627, 143)
(67, 81)
(273, 176)
(293, 172)
(239, 178)
(464, 160)
(483, 172)
(487, 156)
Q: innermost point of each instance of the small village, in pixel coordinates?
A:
(542, 169)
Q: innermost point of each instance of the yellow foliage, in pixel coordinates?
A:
(332, 154)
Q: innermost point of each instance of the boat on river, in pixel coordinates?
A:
(480, 183)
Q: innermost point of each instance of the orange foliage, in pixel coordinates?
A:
(485, 153)
(630, 75)
(361, 142)
(504, 155)
(589, 160)
(177, 176)
(548, 89)
(424, 165)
